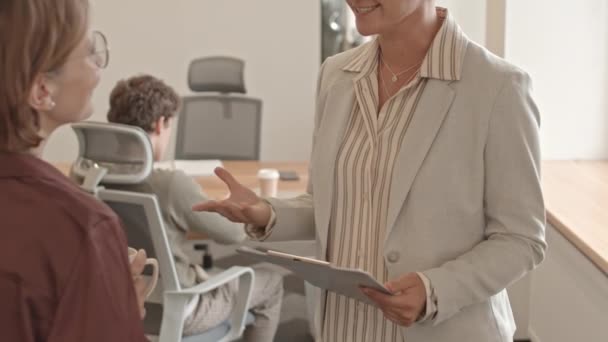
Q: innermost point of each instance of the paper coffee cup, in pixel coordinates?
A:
(132, 252)
(269, 182)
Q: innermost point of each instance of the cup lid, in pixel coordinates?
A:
(268, 173)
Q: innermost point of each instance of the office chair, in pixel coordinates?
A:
(219, 121)
(121, 154)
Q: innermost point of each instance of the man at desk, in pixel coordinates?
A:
(147, 102)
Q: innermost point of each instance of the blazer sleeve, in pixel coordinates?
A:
(514, 209)
(294, 218)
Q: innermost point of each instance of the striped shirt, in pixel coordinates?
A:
(363, 174)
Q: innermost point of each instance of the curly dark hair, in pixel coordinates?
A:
(141, 100)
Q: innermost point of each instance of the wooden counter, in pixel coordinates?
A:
(576, 196)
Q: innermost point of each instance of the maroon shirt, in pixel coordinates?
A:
(64, 270)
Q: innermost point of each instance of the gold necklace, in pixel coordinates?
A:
(386, 89)
(396, 75)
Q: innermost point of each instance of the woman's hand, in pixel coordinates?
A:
(407, 303)
(137, 267)
(242, 206)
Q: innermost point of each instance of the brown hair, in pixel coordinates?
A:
(36, 36)
(141, 100)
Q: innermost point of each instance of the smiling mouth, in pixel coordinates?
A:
(365, 10)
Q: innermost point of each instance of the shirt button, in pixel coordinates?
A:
(393, 257)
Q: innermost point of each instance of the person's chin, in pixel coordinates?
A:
(367, 28)
(86, 114)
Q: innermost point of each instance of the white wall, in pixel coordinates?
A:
(566, 54)
(470, 15)
(278, 39)
(564, 47)
(495, 26)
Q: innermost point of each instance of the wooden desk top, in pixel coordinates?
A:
(246, 173)
(576, 197)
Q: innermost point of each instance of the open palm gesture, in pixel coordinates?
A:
(243, 205)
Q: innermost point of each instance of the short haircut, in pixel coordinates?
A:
(141, 100)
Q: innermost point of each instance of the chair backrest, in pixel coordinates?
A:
(125, 154)
(145, 229)
(119, 154)
(219, 127)
(215, 124)
(217, 74)
(125, 151)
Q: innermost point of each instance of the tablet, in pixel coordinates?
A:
(320, 273)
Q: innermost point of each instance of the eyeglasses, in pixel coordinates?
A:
(100, 53)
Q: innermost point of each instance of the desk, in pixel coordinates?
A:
(246, 173)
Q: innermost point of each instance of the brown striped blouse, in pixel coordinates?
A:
(363, 176)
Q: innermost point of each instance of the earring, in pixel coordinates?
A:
(52, 104)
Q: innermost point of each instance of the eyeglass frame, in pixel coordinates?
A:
(106, 50)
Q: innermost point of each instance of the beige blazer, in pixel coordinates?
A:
(466, 207)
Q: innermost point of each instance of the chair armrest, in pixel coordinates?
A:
(215, 281)
(176, 301)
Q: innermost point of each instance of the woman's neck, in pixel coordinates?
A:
(408, 43)
(37, 151)
(46, 128)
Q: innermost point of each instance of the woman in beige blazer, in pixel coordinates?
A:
(424, 172)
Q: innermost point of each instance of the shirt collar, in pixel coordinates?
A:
(443, 59)
(363, 58)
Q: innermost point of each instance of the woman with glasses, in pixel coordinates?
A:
(64, 270)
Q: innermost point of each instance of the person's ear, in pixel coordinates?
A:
(40, 97)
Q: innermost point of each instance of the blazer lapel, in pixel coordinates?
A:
(429, 115)
(340, 101)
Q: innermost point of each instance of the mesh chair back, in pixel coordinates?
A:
(216, 124)
(217, 74)
(144, 228)
(219, 127)
(125, 151)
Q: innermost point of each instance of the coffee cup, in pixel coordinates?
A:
(269, 182)
(154, 264)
